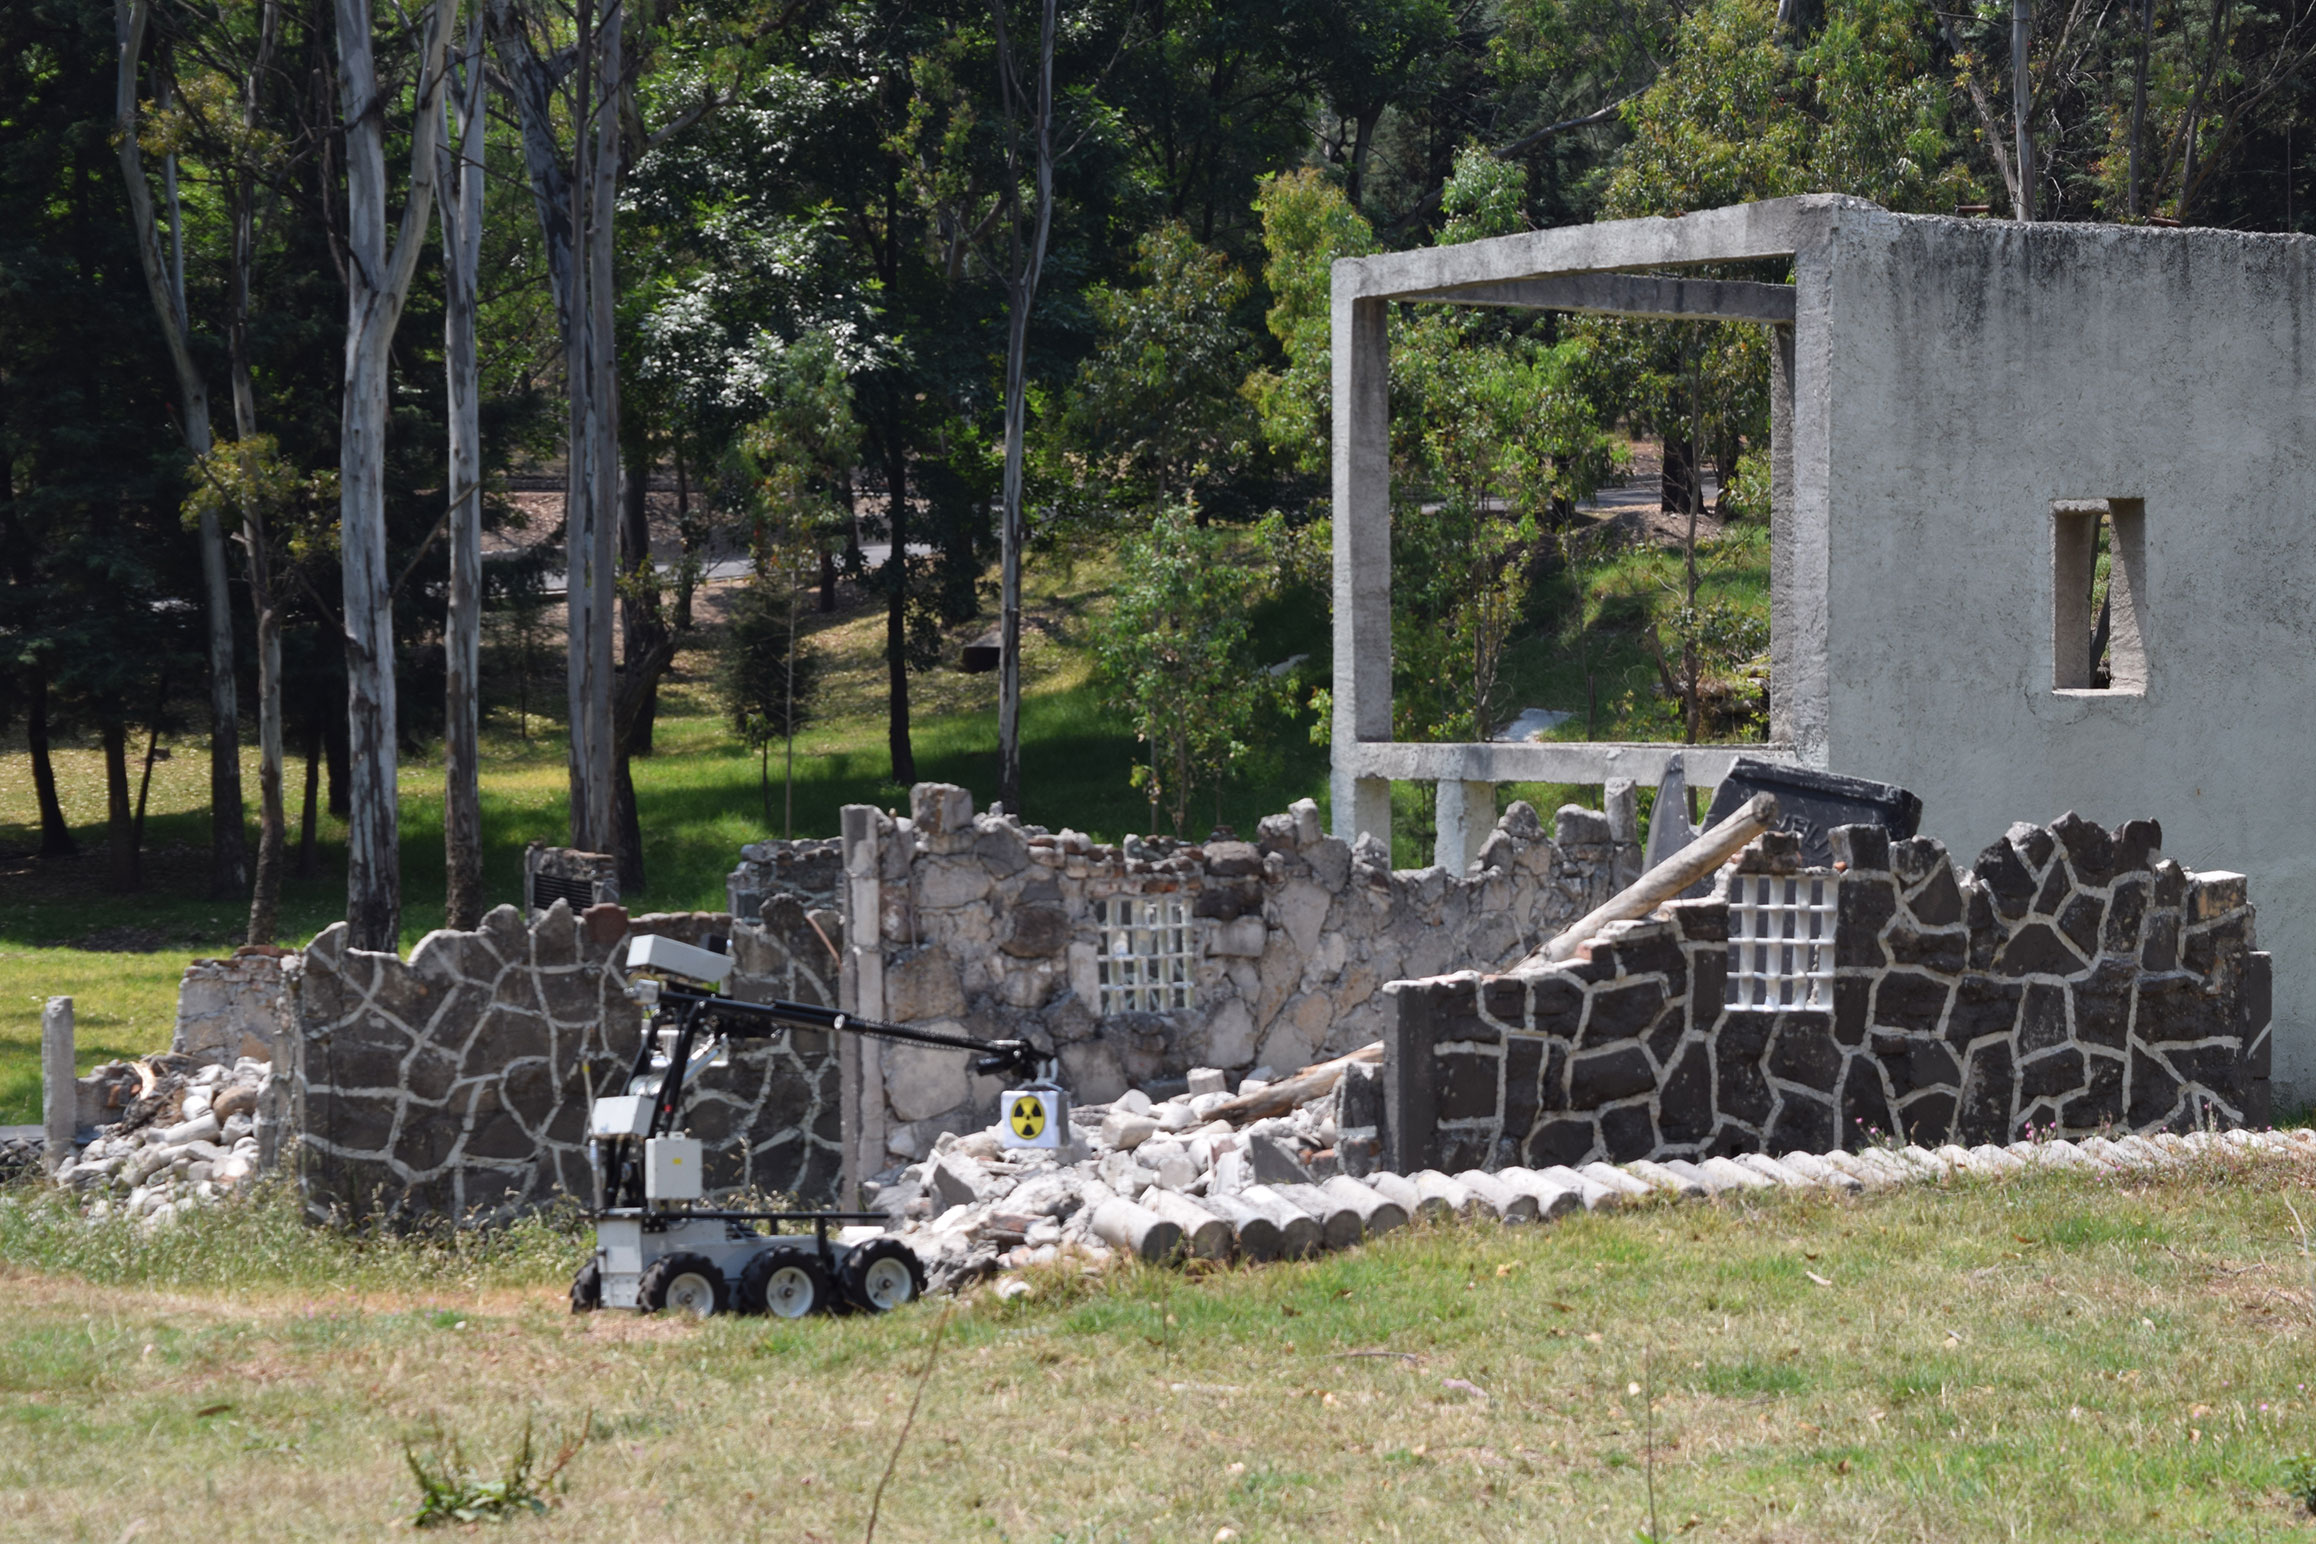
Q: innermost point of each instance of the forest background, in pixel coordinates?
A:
(717, 353)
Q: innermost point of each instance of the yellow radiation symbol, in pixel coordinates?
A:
(1027, 1117)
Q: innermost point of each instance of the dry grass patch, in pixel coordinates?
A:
(2053, 1358)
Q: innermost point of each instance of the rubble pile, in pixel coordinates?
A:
(186, 1136)
(1169, 1180)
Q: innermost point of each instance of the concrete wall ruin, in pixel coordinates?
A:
(2069, 982)
(1952, 400)
(989, 928)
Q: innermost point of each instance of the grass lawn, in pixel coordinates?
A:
(2047, 1358)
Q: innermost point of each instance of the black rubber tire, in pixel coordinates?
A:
(869, 1278)
(587, 1288)
(803, 1285)
(674, 1283)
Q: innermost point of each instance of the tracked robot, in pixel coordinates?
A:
(660, 1248)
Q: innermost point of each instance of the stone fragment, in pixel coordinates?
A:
(200, 1128)
(1124, 1130)
(959, 1180)
(1207, 1080)
(1274, 1162)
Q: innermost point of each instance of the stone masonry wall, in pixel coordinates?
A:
(457, 1082)
(2071, 981)
(984, 926)
(234, 1007)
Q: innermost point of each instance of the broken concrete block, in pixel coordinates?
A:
(1256, 1236)
(959, 1180)
(1208, 1080)
(1400, 1191)
(1497, 1199)
(1434, 1186)
(1274, 1162)
(1340, 1223)
(1133, 1102)
(1125, 1131)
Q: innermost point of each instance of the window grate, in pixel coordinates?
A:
(1781, 941)
(1147, 954)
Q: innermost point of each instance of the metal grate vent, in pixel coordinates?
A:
(1147, 954)
(1781, 940)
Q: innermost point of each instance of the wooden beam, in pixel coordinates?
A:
(1630, 294)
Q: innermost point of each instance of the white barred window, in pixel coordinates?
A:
(1781, 941)
(1147, 954)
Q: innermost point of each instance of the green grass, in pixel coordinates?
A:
(2050, 1358)
(699, 790)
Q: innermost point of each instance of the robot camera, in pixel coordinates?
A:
(671, 957)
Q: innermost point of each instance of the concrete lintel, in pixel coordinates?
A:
(1778, 227)
(1631, 294)
(1543, 761)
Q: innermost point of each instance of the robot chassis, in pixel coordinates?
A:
(659, 1249)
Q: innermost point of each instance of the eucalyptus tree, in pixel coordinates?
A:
(459, 192)
(164, 272)
(379, 268)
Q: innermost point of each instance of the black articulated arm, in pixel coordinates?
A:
(737, 1020)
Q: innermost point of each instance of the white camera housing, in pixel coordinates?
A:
(672, 957)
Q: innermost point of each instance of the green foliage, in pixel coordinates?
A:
(1155, 413)
(2299, 1476)
(795, 458)
(1173, 656)
(1736, 115)
(1307, 224)
(766, 675)
(450, 1492)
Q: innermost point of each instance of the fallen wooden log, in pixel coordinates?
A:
(1660, 884)
(1286, 1094)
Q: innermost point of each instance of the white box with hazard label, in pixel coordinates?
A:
(671, 1169)
(1033, 1117)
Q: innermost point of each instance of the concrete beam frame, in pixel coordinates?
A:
(1590, 269)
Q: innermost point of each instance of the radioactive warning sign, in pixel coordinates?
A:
(1033, 1117)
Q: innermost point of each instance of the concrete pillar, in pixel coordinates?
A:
(1466, 814)
(59, 1093)
(1362, 526)
(861, 991)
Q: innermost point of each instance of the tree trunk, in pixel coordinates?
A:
(334, 754)
(272, 833)
(309, 862)
(377, 280)
(639, 612)
(636, 687)
(1679, 481)
(2021, 87)
(459, 193)
(55, 836)
(2139, 103)
(1027, 267)
(120, 818)
(164, 283)
(897, 617)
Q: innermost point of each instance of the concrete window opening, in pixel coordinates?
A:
(1148, 954)
(2098, 581)
(1781, 941)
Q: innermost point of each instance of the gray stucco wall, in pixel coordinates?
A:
(1954, 378)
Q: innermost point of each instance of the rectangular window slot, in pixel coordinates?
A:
(1781, 940)
(2098, 595)
(1148, 954)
